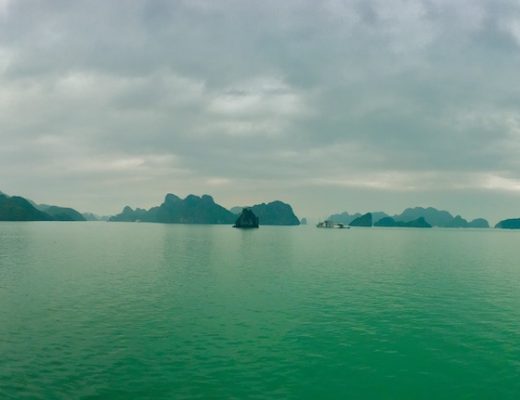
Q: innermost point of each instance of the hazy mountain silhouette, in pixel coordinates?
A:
(365, 220)
(61, 213)
(440, 218)
(392, 223)
(478, 223)
(432, 216)
(17, 208)
(191, 210)
(203, 210)
(236, 210)
(94, 217)
(345, 218)
(275, 213)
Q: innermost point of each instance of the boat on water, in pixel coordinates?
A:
(331, 225)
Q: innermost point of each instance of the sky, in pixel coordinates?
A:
(332, 105)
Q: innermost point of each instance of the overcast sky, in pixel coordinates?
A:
(330, 105)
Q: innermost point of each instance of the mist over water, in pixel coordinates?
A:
(97, 310)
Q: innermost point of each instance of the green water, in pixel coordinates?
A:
(122, 311)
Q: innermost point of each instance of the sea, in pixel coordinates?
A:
(99, 310)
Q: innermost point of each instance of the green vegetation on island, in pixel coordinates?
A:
(478, 223)
(513, 223)
(412, 218)
(17, 208)
(389, 222)
(203, 210)
(440, 218)
(61, 213)
(275, 213)
(191, 210)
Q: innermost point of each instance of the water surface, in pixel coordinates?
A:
(120, 311)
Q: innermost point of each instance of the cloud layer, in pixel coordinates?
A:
(332, 105)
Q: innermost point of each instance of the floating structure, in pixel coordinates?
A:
(331, 225)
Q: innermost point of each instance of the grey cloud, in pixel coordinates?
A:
(408, 99)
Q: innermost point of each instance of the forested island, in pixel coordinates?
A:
(174, 210)
(417, 217)
(16, 208)
(509, 224)
(204, 210)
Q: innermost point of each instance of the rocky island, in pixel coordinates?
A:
(204, 210)
(274, 213)
(440, 218)
(410, 217)
(513, 223)
(191, 210)
(246, 220)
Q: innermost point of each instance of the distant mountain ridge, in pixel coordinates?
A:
(365, 220)
(345, 218)
(17, 208)
(203, 210)
(94, 217)
(61, 213)
(236, 210)
(440, 218)
(431, 215)
(389, 222)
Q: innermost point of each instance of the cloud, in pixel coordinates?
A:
(280, 98)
